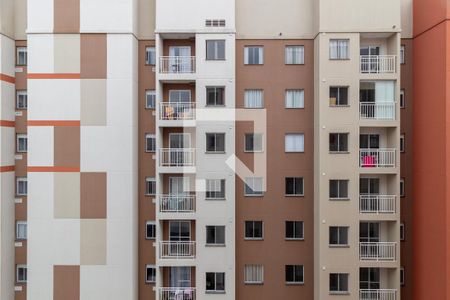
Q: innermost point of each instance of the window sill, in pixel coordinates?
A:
(339, 199)
(346, 105)
(253, 239)
(215, 199)
(218, 59)
(339, 59)
(253, 107)
(339, 246)
(291, 196)
(294, 239)
(215, 152)
(253, 64)
(150, 238)
(150, 108)
(293, 152)
(214, 292)
(215, 106)
(339, 293)
(150, 282)
(253, 196)
(255, 151)
(294, 107)
(253, 283)
(294, 64)
(339, 152)
(215, 245)
(295, 283)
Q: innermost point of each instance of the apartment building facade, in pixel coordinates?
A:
(197, 150)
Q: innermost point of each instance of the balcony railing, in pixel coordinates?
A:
(378, 64)
(177, 111)
(178, 249)
(378, 251)
(177, 293)
(177, 203)
(377, 204)
(377, 158)
(385, 294)
(377, 110)
(177, 157)
(177, 64)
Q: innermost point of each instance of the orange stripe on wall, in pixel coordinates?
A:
(53, 76)
(53, 169)
(7, 169)
(4, 123)
(59, 123)
(10, 79)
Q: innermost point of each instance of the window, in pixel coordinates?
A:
(150, 230)
(293, 186)
(215, 23)
(402, 54)
(253, 55)
(402, 98)
(150, 56)
(215, 96)
(150, 142)
(294, 55)
(338, 236)
(215, 142)
(254, 274)
(294, 99)
(21, 230)
(294, 142)
(215, 50)
(253, 142)
(215, 235)
(402, 187)
(21, 273)
(215, 189)
(294, 274)
(402, 276)
(338, 283)
(402, 142)
(21, 143)
(338, 189)
(339, 49)
(21, 186)
(254, 230)
(21, 100)
(150, 99)
(150, 186)
(150, 274)
(294, 230)
(338, 142)
(215, 282)
(338, 96)
(21, 58)
(402, 231)
(253, 99)
(253, 186)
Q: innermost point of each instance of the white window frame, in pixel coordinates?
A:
(253, 238)
(147, 237)
(215, 243)
(402, 142)
(339, 189)
(259, 139)
(216, 50)
(260, 55)
(339, 242)
(340, 290)
(151, 180)
(21, 99)
(21, 136)
(338, 99)
(295, 50)
(253, 185)
(148, 55)
(149, 102)
(402, 98)
(215, 186)
(215, 290)
(302, 234)
(215, 88)
(21, 50)
(303, 275)
(253, 274)
(339, 135)
(149, 137)
(295, 192)
(294, 149)
(402, 54)
(146, 269)
(257, 97)
(17, 273)
(339, 54)
(289, 104)
(21, 180)
(216, 135)
(18, 225)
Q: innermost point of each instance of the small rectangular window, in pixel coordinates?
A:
(215, 50)
(402, 276)
(338, 189)
(150, 274)
(150, 56)
(21, 186)
(150, 230)
(338, 236)
(21, 230)
(215, 189)
(294, 99)
(150, 99)
(254, 230)
(402, 54)
(338, 96)
(338, 142)
(402, 231)
(294, 230)
(215, 282)
(215, 142)
(339, 49)
(294, 274)
(254, 274)
(294, 186)
(21, 273)
(253, 99)
(21, 143)
(21, 56)
(402, 142)
(402, 98)
(402, 187)
(215, 235)
(215, 96)
(338, 283)
(294, 142)
(253, 55)
(21, 99)
(294, 55)
(150, 142)
(253, 186)
(150, 186)
(253, 142)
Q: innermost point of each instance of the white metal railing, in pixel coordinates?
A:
(176, 157)
(377, 110)
(177, 111)
(177, 249)
(177, 293)
(378, 64)
(177, 203)
(377, 158)
(378, 204)
(384, 294)
(177, 64)
(384, 251)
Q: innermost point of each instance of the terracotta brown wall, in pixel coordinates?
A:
(274, 252)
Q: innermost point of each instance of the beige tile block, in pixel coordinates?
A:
(67, 195)
(93, 242)
(67, 53)
(93, 102)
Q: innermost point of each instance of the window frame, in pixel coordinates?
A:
(216, 51)
(215, 98)
(402, 143)
(338, 181)
(21, 223)
(20, 49)
(294, 134)
(302, 92)
(21, 93)
(255, 193)
(402, 232)
(402, 98)
(150, 136)
(255, 269)
(302, 58)
(340, 243)
(215, 290)
(149, 93)
(402, 187)
(215, 134)
(20, 136)
(207, 185)
(338, 151)
(261, 59)
(18, 180)
(147, 61)
(402, 276)
(338, 99)
(147, 236)
(261, 91)
(21, 266)
(253, 238)
(147, 268)
(402, 54)
(295, 238)
(294, 282)
(339, 290)
(339, 55)
(253, 150)
(302, 180)
(215, 243)
(150, 180)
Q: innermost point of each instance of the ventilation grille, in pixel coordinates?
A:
(215, 23)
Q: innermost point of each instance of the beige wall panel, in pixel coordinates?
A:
(93, 242)
(67, 195)
(20, 21)
(67, 53)
(93, 102)
(146, 19)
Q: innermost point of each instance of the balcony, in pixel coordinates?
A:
(177, 293)
(377, 158)
(177, 157)
(377, 251)
(177, 64)
(377, 64)
(377, 111)
(384, 294)
(177, 249)
(377, 204)
(177, 203)
(177, 111)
